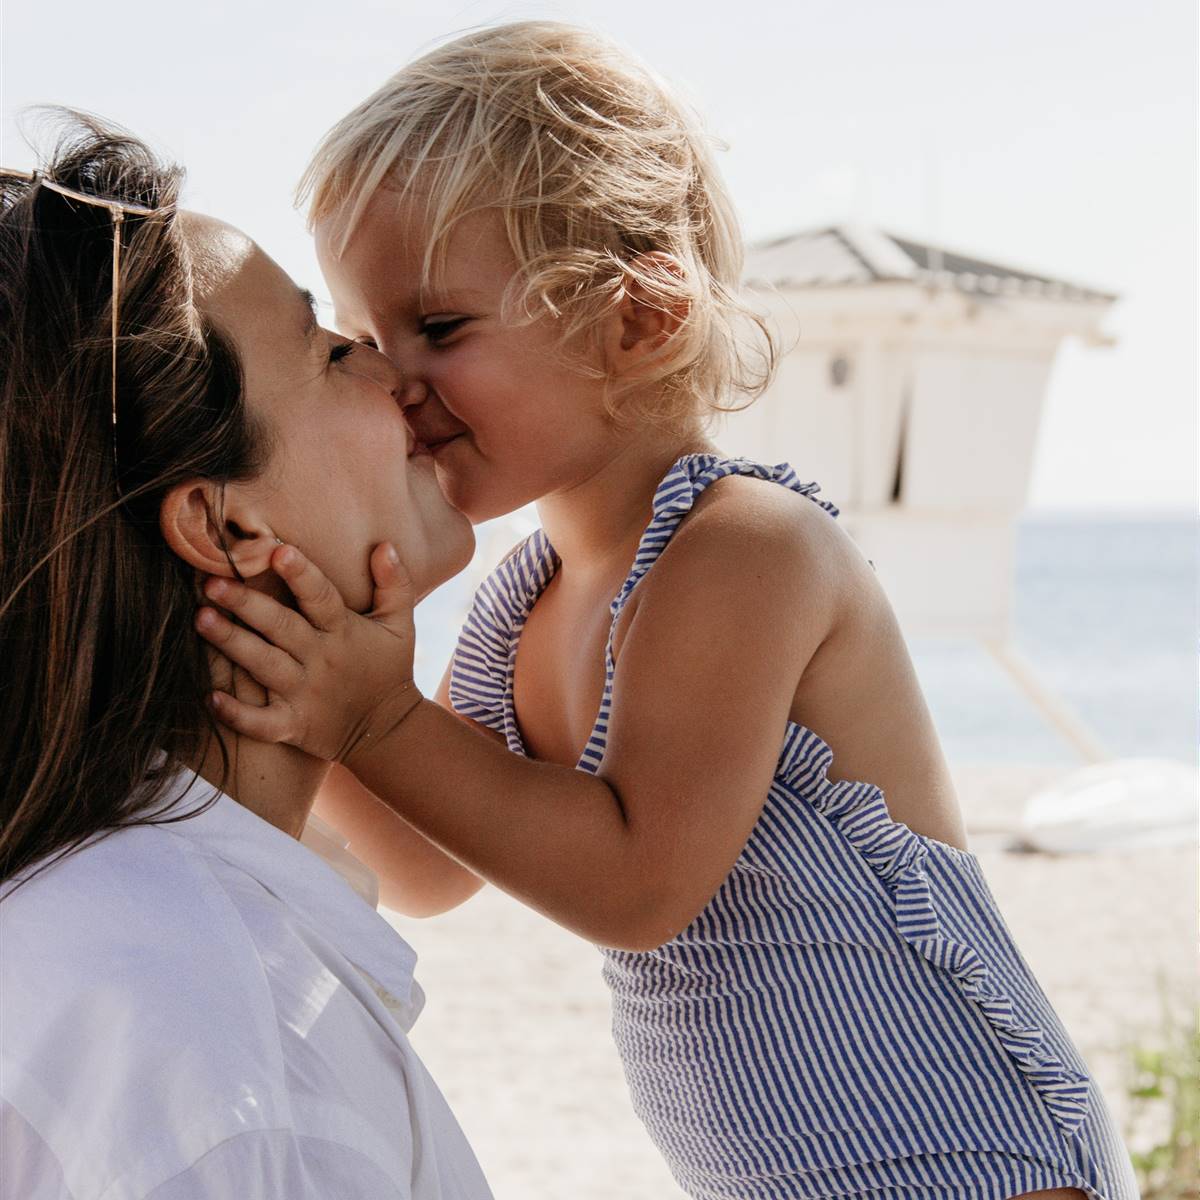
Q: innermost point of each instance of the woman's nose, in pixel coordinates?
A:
(412, 393)
(384, 371)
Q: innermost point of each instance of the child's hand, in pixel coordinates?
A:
(334, 680)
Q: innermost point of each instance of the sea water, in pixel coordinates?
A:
(1105, 615)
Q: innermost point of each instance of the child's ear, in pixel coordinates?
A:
(216, 528)
(651, 310)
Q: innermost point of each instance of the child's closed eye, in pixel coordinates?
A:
(438, 330)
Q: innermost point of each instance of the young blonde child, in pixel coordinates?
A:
(685, 724)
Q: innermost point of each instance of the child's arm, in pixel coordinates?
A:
(415, 877)
(726, 622)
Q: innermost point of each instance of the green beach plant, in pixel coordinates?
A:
(1163, 1092)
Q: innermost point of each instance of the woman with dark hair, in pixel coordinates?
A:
(192, 1003)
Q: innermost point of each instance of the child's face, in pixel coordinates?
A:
(507, 421)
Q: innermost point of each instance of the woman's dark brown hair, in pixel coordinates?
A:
(101, 673)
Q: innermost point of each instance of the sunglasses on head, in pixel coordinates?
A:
(117, 209)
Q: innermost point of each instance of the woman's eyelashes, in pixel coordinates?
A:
(343, 349)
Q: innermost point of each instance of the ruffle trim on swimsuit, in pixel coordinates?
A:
(897, 855)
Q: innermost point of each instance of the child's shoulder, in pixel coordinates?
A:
(752, 563)
(747, 549)
(742, 523)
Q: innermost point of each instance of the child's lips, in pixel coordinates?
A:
(425, 445)
(426, 438)
(433, 445)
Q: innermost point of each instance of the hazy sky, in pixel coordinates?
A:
(1054, 134)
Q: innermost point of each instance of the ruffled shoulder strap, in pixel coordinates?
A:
(480, 669)
(678, 491)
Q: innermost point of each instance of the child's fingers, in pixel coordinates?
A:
(319, 600)
(279, 625)
(389, 573)
(220, 669)
(272, 667)
(263, 724)
(395, 595)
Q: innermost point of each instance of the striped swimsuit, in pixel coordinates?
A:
(848, 1016)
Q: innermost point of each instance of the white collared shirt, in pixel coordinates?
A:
(205, 1010)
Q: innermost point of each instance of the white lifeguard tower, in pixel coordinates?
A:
(911, 388)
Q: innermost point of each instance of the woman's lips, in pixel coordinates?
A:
(415, 445)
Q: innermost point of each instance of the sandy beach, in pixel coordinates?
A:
(516, 1027)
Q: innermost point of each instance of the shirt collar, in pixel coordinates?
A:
(303, 878)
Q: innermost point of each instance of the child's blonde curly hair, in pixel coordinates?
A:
(605, 181)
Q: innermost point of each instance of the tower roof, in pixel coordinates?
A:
(854, 254)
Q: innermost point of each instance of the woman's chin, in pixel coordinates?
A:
(452, 553)
(466, 548)
(462, 548)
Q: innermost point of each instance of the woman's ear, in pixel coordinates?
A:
(216, 529)
(650, 311)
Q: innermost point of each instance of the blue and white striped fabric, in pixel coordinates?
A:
(849, 1015)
